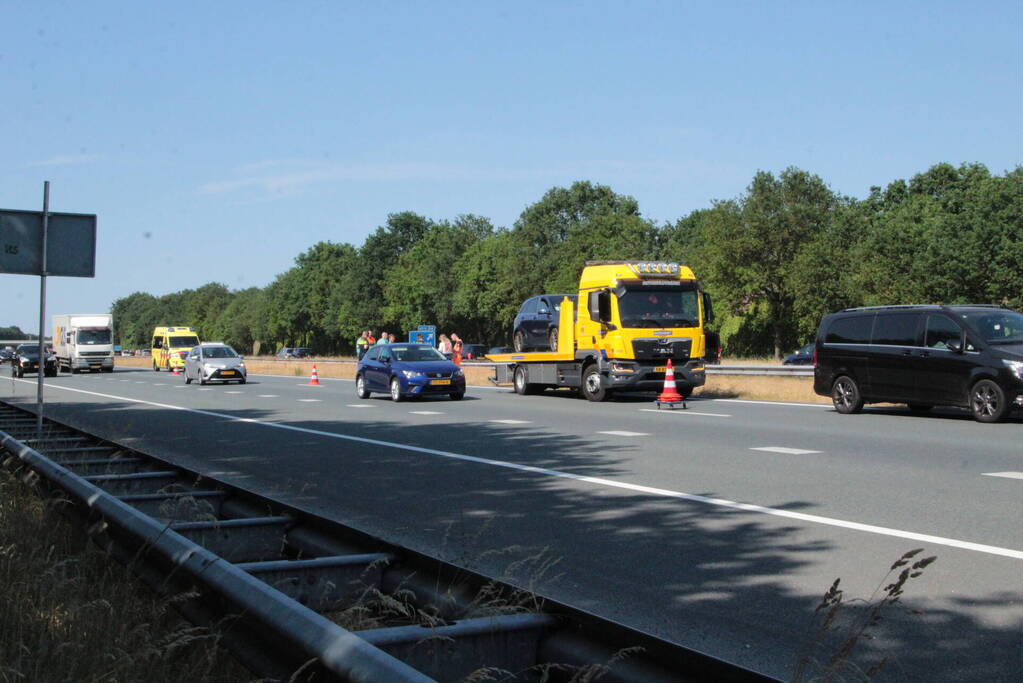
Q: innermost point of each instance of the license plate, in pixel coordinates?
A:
(227, 372)
(661, 368)
(436, 382)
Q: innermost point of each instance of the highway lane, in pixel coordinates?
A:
(739, 583)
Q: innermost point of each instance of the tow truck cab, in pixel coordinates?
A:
(634, 317)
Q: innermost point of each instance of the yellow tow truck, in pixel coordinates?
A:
(637, 316)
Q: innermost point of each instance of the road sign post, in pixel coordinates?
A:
(41, 243)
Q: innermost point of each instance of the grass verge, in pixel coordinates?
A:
(68, 614)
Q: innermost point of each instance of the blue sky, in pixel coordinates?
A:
(217, 141)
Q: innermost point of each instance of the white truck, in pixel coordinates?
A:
(84, 341)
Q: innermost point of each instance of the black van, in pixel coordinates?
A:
(966, 356)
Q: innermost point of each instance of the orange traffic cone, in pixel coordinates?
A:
(670, 396)
(175, 370)
(314, 381)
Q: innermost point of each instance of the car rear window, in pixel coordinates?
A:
(896, 329)
(851, 330)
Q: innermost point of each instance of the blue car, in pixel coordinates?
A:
(408, 370)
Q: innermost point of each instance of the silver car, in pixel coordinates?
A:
(214, 362)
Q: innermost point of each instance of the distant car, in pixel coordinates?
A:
(712, 354)
(26, 359)
(498, 349)
(474, 351)
(801, 356)
(408, 370)
(294, 352)
(536, 325)
(214, 362)
(6, 354)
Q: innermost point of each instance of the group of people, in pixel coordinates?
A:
(451, 346)
(368, 339)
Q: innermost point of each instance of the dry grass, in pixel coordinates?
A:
(753, 387)
(73, 615)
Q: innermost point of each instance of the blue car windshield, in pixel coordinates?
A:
(415, 353)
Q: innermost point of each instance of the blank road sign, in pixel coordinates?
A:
(70, 243)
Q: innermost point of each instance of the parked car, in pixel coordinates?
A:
(801, 356)
(965, 356)
(474, 351)
(26, 359)
(6, 355)
(214, 362)
(408, 370)
(295, 352)
(536, 325)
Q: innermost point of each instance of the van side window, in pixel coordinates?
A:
(852, 330)
(941, 331)
(897, 329)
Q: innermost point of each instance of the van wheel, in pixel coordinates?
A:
(519, 342)
(845, 394)
(591, 386)
(987, 402)
(521, 382)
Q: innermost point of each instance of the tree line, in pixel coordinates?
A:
(775, 259)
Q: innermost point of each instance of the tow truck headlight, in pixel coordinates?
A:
(411, 374)
(622, 368)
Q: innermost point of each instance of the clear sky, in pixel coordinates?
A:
(218, 140)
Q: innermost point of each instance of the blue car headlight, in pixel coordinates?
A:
(457, 373)
(411, 374)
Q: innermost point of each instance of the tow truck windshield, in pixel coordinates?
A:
(659, 307)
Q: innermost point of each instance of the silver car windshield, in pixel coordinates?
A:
(219, 352)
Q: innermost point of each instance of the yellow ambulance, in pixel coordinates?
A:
(171, 345)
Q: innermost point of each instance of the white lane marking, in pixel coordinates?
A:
(771, 403)
(510, 422)
(234, 392)
(358, 405)
(159, 384)
(608, 483)
(139, 382)
(425, 412)
(623, 433)
(682, 412)
(268, 396)
(206, 389)
(1007, 475)
(783, 449)
(179, 387)
(125, 380)
(308, 400)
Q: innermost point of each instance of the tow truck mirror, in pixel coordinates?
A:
(708, 309)
(599, 306)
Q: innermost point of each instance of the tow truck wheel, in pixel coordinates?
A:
(592, 389)
(521, 382)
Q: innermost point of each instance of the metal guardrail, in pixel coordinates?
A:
(762, 370)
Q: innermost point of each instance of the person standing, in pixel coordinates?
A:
(444, 346)
(370, 339)
(456, 349)
(361, 344)
(383, 339)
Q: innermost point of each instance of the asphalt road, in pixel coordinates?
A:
(719, 527)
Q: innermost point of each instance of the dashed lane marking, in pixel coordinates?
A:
(234, 392)
(510, 422)
(308, 400)
(783, 449)
(358, 405)
(683, 412)
(268, 396)
(159, 384)
(624, 433)
(1007, 475)
(584, 479)
(425, 412)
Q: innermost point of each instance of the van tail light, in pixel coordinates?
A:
(815, 357)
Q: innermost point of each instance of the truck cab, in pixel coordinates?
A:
(84, 342)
